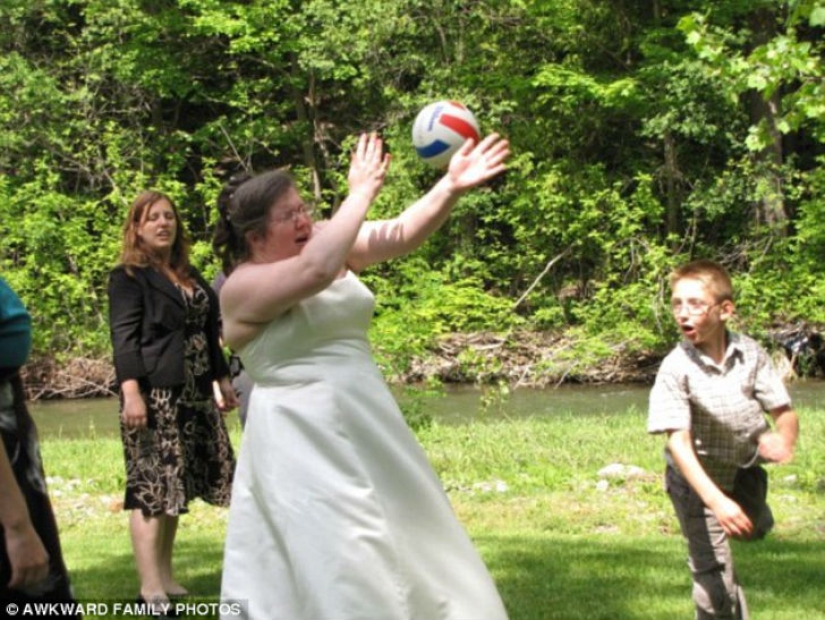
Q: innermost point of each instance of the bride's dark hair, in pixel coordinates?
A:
(244, 204)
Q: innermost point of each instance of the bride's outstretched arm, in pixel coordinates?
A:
(471, 166)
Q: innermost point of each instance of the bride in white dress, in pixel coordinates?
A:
(336, 513)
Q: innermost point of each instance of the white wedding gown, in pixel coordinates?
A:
(336, 513)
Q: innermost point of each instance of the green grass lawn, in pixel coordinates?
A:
(562, 542)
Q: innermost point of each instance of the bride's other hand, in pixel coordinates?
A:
(368, 166)
(474, 164)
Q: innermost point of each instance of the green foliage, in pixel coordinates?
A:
(788, 63)
(641, 138)
(414, 401)
(426, 306)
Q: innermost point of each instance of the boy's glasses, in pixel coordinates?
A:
(292, 215)
(694, 307)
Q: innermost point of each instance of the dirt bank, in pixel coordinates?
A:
(520, 359)
(79, 377)
(527, 359)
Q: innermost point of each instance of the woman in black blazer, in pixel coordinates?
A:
(164, 327)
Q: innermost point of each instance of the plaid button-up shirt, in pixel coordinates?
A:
(723, 405)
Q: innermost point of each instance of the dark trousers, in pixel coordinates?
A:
(20, 439)
(717, 593)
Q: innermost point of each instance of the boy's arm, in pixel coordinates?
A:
(777, 445)
(730, 515)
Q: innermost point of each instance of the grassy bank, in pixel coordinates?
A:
(562, 541)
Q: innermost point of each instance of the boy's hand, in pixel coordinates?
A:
(732, 518)
(774, 448)
(734, 521)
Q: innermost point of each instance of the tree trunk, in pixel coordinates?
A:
(671, 172)
(771, 209)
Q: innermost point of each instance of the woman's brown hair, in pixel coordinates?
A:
(135, 254)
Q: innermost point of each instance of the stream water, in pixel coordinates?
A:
(99, 417)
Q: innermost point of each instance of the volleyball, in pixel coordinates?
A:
(440, 129)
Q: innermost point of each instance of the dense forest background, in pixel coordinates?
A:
(644, 133)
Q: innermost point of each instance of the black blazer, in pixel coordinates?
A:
(147, 318)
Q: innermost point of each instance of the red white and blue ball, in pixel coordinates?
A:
(440, 129)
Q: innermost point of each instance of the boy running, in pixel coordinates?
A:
(710, 396)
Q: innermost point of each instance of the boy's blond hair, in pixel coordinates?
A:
(713, 275)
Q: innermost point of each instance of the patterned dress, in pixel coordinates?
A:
(184, 452)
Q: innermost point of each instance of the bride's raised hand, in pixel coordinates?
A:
(368, 167)
(473, 164)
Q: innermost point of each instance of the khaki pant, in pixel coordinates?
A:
(716, 590)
